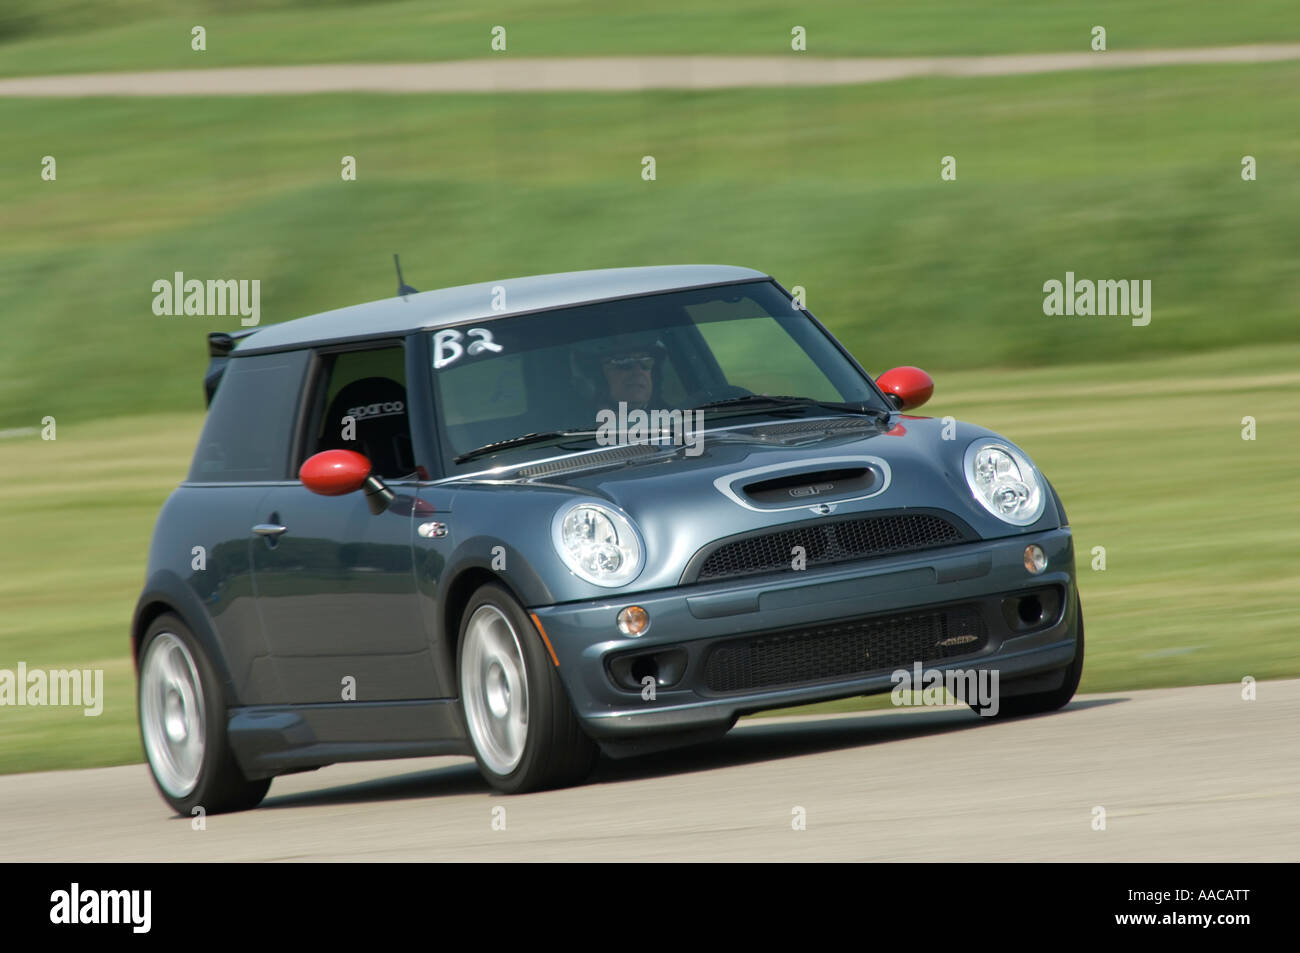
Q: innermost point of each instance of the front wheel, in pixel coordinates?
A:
(182, 713)
(520, 722)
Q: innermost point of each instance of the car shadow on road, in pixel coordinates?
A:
(754, 740)
(750, 742)
(450, 781)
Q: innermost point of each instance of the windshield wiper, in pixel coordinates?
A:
(756, 402)
(856, 407)
(748, 399)
(520, 441)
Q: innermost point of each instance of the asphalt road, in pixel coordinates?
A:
(1183, 774)
(502, 74)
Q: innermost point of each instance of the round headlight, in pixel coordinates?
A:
(1004, 482)
(598, 544)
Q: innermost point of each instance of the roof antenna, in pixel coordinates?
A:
(403, 288)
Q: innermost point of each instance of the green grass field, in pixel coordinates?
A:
(1123, 175)
(51, 36)
(1200, 581)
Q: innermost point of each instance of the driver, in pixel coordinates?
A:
(629, 376)
(623, 369)
(629, 394)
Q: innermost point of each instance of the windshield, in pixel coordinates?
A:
(555, 377)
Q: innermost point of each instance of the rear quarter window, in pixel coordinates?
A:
(247, 435)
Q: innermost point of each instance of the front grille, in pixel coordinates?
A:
(845, 649)
(827, 542)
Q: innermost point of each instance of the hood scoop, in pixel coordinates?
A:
(817, 483)
(821, 484)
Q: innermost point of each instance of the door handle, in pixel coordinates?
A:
(269, 529)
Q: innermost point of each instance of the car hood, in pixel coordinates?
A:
(680, 500)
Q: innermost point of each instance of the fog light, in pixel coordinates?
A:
(1035, 559)
(634, 620)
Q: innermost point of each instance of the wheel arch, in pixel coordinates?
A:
(467, 581)
(166, 593)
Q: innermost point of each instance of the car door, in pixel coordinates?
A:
(335, 582)
(242, 451)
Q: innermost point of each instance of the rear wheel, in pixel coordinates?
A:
(1013, 706)
(182, 712)
(520, 722)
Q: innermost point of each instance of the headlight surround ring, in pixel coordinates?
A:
(598, 543)
(1004, 481)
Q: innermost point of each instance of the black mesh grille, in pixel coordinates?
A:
(830, 542)
(845, 649)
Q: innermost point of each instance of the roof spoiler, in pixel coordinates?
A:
(220, 344)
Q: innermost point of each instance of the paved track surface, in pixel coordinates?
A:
(1183, 774)
(608, 74)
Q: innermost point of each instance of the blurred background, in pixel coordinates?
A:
(1116, 174)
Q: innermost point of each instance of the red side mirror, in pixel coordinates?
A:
(908, 386)
(335, 472)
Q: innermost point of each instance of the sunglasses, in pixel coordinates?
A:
(630, 363)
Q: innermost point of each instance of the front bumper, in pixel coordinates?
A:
(863, 600)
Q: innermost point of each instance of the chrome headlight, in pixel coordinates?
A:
(598, 544)
(1005, 482)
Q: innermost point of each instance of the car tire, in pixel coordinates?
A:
(1013, 706)
(520, 721)
(181, 708)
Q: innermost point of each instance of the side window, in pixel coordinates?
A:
(360, 404)
(249, 426)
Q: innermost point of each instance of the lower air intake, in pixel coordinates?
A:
(844, 650)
